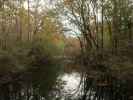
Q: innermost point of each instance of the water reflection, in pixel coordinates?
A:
(69, 83)
(90, 89)
(69, 87)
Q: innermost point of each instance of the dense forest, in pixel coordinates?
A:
(41, 40)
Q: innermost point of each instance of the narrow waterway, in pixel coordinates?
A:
(69, 85)
(72, 81)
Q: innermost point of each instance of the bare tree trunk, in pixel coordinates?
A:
(102, 26)
(3, 42)
(115, 26)
(20, 21)
(28, 2)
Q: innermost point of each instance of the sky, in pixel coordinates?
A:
(49, 4)
(43, 3)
